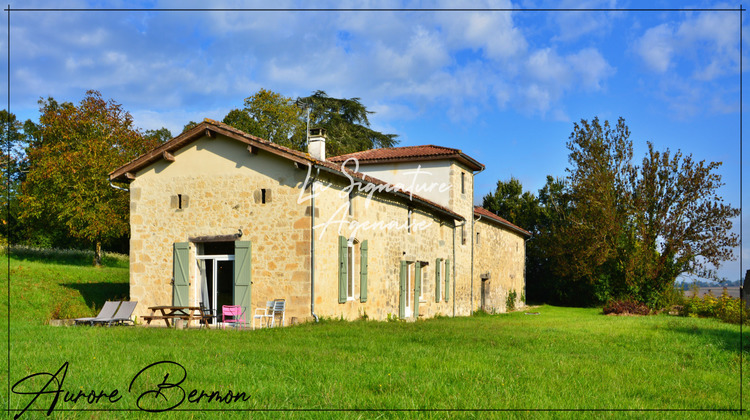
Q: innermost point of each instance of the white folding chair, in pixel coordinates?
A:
(263, 314)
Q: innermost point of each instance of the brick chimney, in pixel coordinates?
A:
(316, 143)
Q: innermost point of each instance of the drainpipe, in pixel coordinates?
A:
(116, 187)
(455, 264)
(472, 235)
(312, 246)
(472, 254)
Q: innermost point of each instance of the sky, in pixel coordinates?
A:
(504, 86)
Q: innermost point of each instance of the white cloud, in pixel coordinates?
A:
(573, 26)
(191, 61)
(656, 47)
(709, 41)
(590, 67)
(692, 56)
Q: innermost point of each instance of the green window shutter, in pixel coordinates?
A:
(417, 286)
(437, 280)
(363, 272)
(180, 274)
(402, 291)
(242, 276)
(342, 269)
(447, 278)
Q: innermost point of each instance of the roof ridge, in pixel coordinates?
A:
(429, 150)
(179, 141)
(497, 218)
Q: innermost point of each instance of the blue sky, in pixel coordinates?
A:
(505, 87)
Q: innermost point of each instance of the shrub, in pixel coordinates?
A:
(726, 308)
(625, 307)
(510, 302)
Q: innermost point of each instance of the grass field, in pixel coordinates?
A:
(562, 358)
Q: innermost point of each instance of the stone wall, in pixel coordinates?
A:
(217, 187)
(500, 254)
(462, 202)
(430, 238)
(220, 185)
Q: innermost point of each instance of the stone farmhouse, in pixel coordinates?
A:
(220, 217)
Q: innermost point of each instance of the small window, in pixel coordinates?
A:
(262, 196)
(409, 220)
(463, 183)
(179, 201)
(463, 234)
(477, 238)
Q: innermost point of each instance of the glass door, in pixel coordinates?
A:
(217, 283)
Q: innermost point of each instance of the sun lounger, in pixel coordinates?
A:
(123, 314)
(107, 312)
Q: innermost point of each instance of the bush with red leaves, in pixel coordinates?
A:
(619, 307)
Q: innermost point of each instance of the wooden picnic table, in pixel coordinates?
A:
(169, 312)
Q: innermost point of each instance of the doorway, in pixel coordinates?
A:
(485, 291)
(216, 268)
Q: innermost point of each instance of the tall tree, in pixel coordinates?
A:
(347, 124)
(591, 237)
(282, 120)
(510, 202)
(271, 116)
(12, 143)
(681, 223)
(614, 230)
(74, 149)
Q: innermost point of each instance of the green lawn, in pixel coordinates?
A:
(563, 358)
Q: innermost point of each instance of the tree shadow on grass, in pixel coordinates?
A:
(726, 339)
(95, 294)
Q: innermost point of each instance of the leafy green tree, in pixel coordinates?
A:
(347, 124)
(681, 224)
(12, 143)
(271, 116)
(189, 125)
(590, 239)
(282, 120)
(510, 202)
(611, 229)
(73, 150)
(538, 216)
(161, 135)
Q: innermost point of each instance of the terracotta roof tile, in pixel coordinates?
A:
(409, 153)
(483, 212)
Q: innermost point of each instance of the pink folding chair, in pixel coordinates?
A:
(232, 314)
